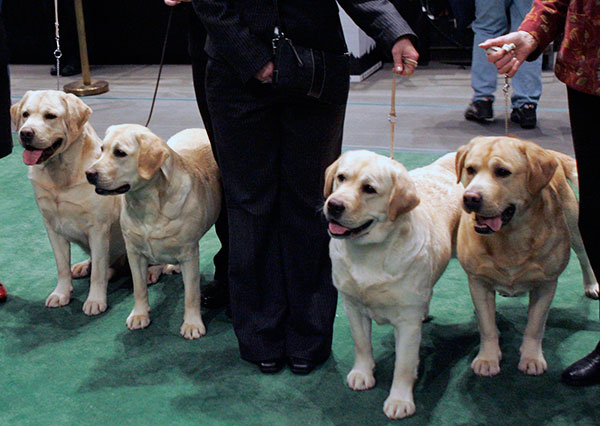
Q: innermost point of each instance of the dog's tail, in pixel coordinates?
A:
(569, 166)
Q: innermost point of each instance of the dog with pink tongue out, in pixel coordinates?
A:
(515, 237)
(393, 234)
(59, 145)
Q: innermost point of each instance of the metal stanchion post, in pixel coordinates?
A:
(87, 86)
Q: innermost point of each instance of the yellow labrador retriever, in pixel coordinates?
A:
(172, 197)
(392, 237)
(60, 145)
(515, 235)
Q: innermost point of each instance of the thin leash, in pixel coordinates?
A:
(509, 48)
(162, 61)
(392, 115)
(57, 51)
(392, 118)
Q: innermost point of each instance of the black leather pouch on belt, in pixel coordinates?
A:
(310, 72)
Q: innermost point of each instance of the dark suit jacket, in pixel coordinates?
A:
(5, 132)
(240, 31)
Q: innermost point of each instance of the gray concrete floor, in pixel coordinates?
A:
(429, 105)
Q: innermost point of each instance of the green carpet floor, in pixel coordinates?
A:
(60, 367)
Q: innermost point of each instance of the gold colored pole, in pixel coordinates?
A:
(87, 87)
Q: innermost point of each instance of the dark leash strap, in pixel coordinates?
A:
(162, 61)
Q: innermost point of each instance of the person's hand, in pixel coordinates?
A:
(508, 62)
(265, 75)
(175, 2)
(405, 56)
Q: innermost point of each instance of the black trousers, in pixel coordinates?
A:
(6, 143)
(584, 110)
(273, 151)
(197, 37)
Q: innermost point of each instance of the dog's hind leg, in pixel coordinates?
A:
(81, 269)
(590, 284)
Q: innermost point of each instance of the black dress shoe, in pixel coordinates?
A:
(584, 372)
(270, 367)
(301, 366)
(214, 295)
(67, 70)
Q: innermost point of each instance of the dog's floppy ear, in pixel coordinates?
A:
(78, 113)
(15, 110)
(541, 166)
(330, 173)
(404, 196)
(152, 154)
(459, 163)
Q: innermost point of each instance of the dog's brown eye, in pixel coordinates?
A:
(502, 172)
(341, 178)
(369, 189)
(471, 170)
(25, 114)
(49, 116)
(119, 153)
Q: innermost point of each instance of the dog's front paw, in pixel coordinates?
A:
(137, 321)
(193, 331)
(94, 307)
(398, 409)
(533, 365)
(359, 380)
(81, 269)
(57, 299)
(592, 291)
(486, 367)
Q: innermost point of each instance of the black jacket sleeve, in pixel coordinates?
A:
(379, 19)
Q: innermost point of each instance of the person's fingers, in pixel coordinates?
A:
(510, 68)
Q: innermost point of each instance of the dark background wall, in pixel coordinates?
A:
(118, 31)
(132, 31)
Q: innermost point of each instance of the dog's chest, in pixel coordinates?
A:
(162, 241)
(376, 289)
(66, 211)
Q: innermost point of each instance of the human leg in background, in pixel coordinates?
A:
(216, 293)
(6, 143)
(490, 21)
(583, 113)
(527, 82)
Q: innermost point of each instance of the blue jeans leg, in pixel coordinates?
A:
(527, 82)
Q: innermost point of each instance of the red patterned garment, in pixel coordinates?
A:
(578, 60)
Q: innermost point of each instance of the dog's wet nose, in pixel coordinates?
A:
(472, 201)
(335, 208)
(92, 176)
(26, 135)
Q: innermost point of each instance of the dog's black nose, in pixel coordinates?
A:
(335, 208)
(92, 176)
(26, 135)
(472, 201)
